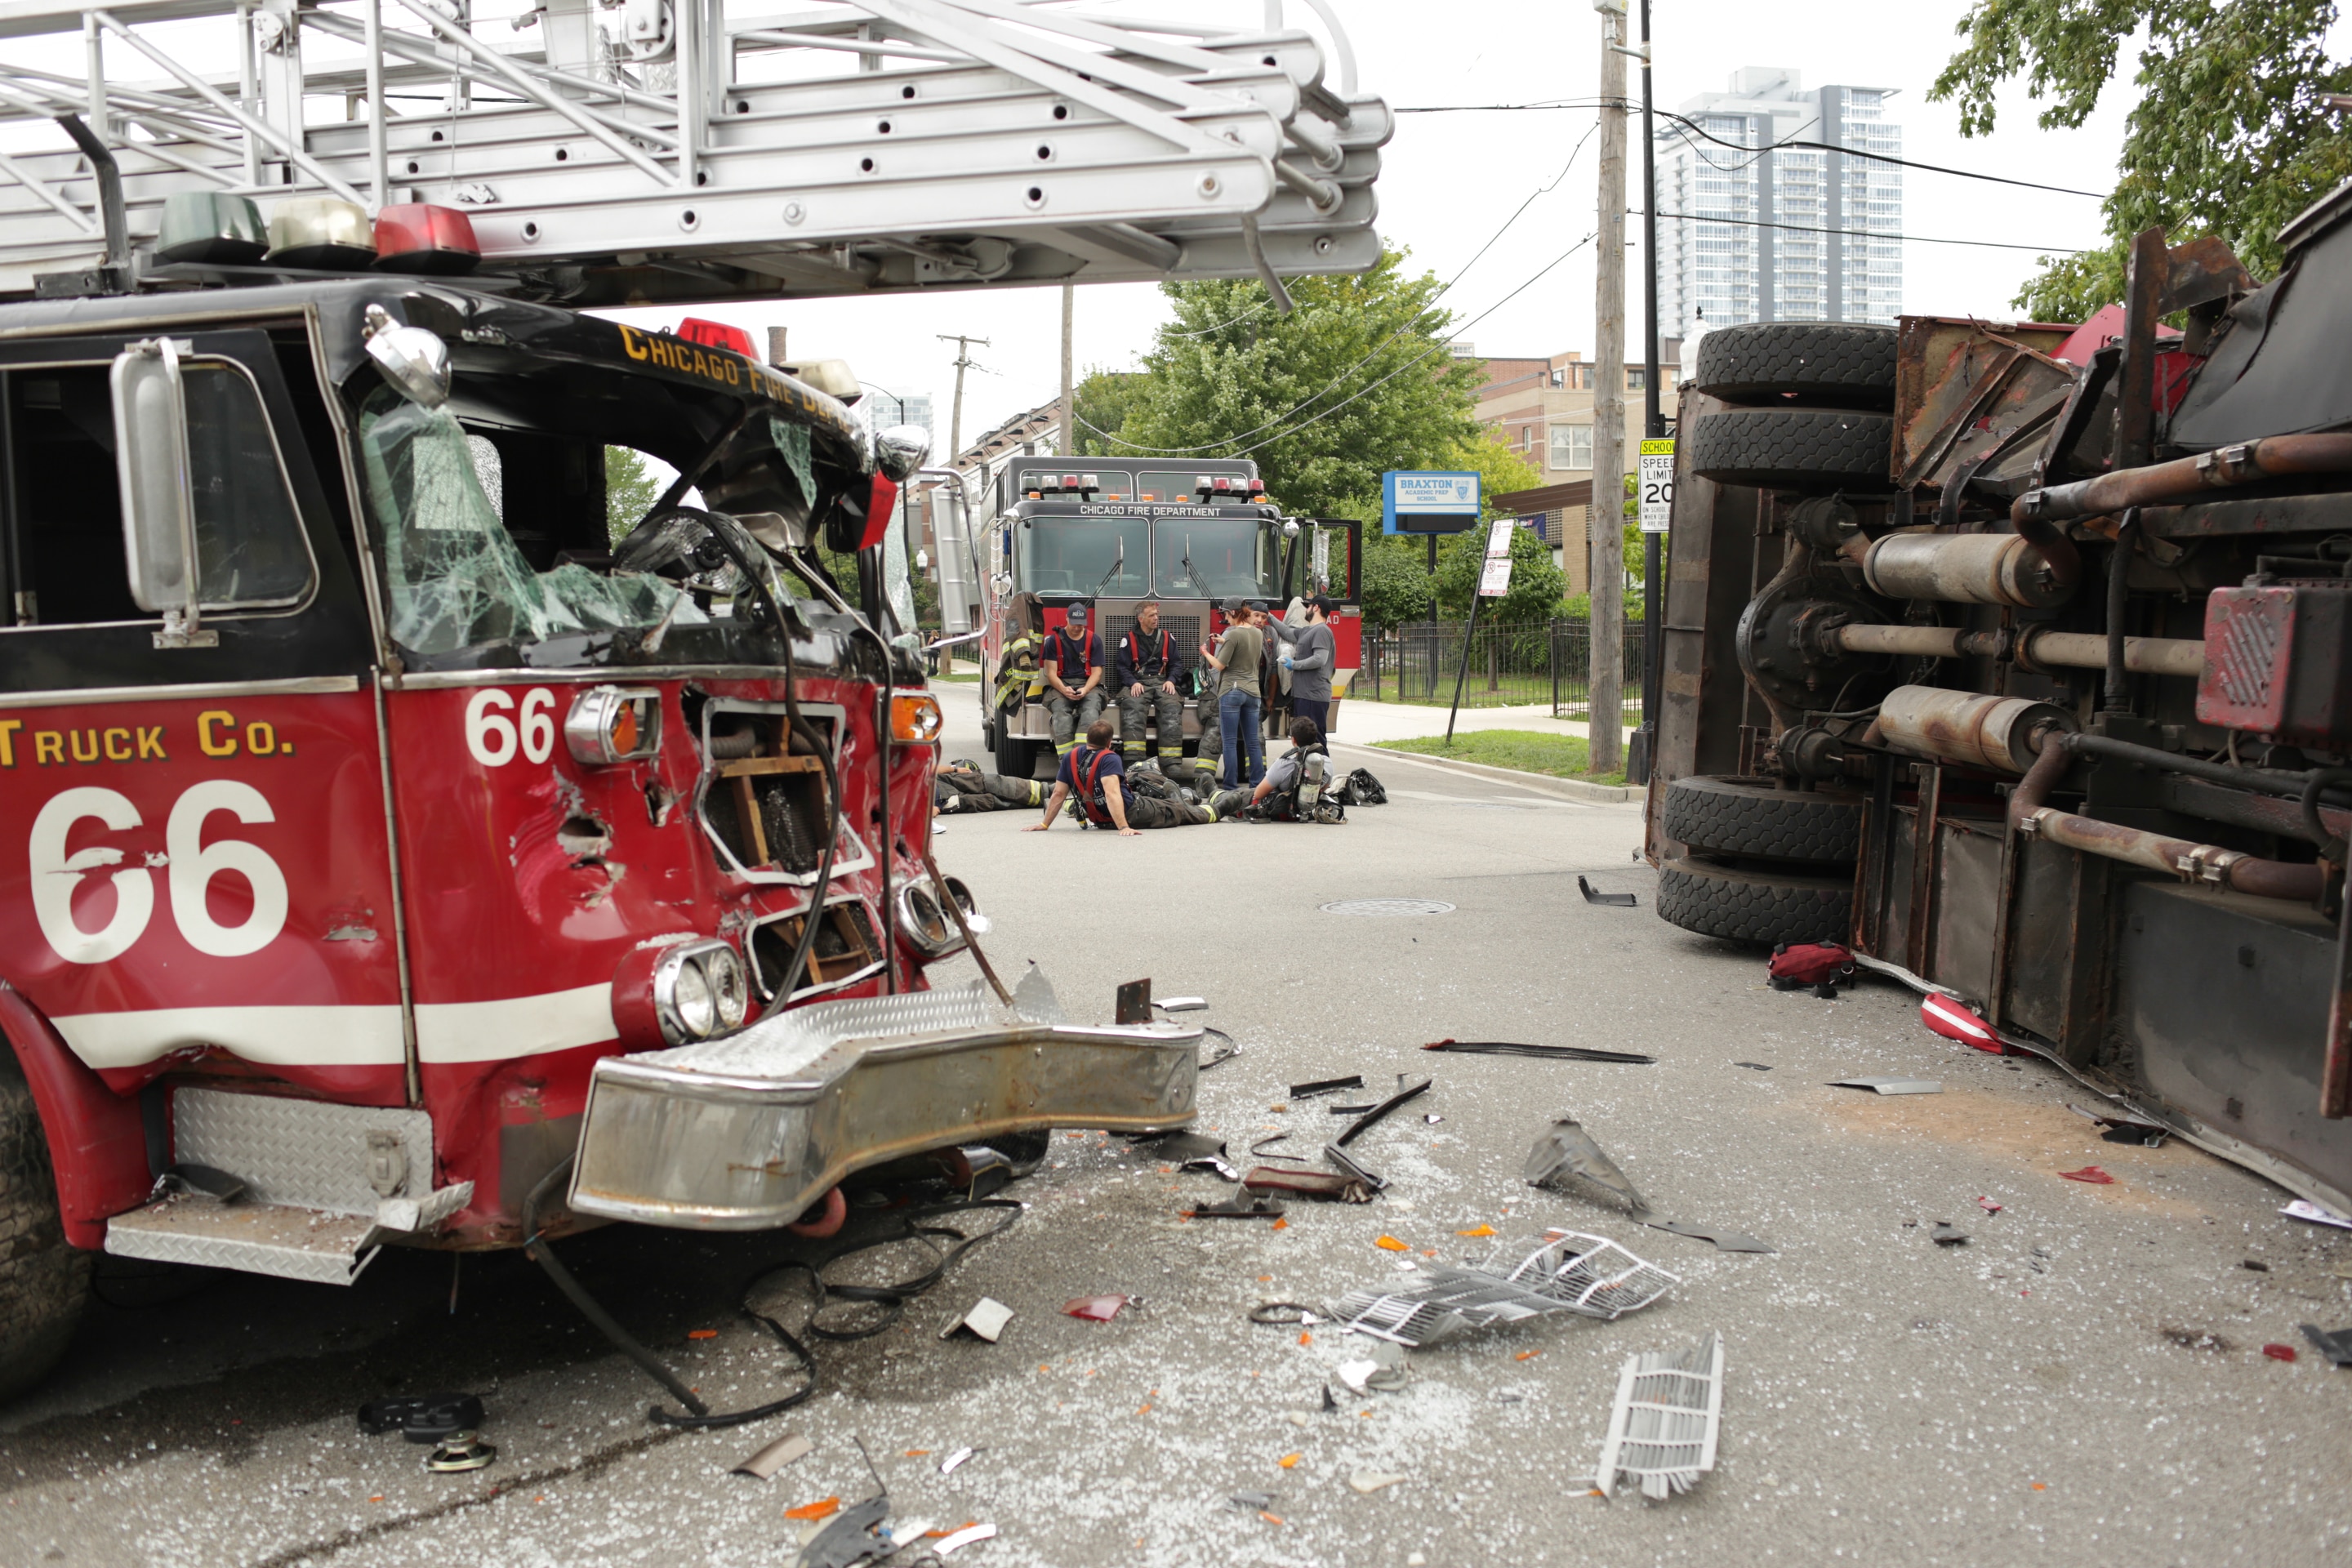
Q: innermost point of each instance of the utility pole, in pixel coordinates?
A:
(1606, 529)
(1654, 428)
(1070, 402)
(963, 362)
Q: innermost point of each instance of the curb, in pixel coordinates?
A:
(1544, 784)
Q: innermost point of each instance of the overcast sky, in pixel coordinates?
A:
(1448, 181)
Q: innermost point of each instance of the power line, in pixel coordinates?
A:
(1872, 234)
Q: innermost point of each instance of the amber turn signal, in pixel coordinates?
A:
(914, 718)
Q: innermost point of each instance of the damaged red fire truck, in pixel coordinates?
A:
(2015, 657)
(401, 851)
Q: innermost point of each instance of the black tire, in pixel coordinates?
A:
(1794, 448)
(1014, 757)
(1737, 817)
(1714, 900)
(44, 1283)
(1851, 362)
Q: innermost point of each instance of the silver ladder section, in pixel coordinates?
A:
(642, 150)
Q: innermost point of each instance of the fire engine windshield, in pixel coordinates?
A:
(455, 578)
(1085, 555)
(1214, 558)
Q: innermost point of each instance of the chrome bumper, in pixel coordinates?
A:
(749, 1131)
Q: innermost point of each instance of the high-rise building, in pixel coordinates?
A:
(889, 408)
(1752, 228)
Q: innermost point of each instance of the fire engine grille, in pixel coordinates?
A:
(846, 945)
(1184, 629)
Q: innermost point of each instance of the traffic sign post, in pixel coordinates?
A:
(1655, 483)
(1494, 582)
(1429, 501)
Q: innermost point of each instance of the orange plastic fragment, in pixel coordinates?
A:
(1269, 1518)
(1305, 1339)
(1280, 1224)
(824, 1508)
(702, 1333)
(1526, 1355)
(916, 1453)
(1482, 1230)
(1390, 1244)
(2040, 1487)
(1289, 1461)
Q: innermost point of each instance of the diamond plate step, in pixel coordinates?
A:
(252, 1239)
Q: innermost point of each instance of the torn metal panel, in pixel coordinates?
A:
(1034, 999)
(1354, 1169)
(1587, 1274)
(1250, 1206)
(1330, 1185)
(1326, 1086)
(1567, 1151)
(1891, 1085)
(986, 1318)
(784, 1451)
(1663, 1424)
(1372, 1117)
(1725, 1241)
(1617, 900)
(1555, 1052)
(849, 1538)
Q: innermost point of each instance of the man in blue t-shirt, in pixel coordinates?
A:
(1093, 773)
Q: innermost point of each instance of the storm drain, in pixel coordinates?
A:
(1389, 907)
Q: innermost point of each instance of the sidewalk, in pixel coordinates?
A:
(1366, 724)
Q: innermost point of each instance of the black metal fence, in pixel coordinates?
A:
(1509, 666)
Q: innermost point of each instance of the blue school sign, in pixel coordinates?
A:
(1428, 501)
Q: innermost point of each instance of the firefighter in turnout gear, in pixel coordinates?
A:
(1093, 773)
(1074, 680)
(1292, 789)
(1151, 676)
(965, 785)
(1018, 677)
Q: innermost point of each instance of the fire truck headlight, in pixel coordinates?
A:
(611, 724)
(731, 987)
(914, 719)
(691, 1003)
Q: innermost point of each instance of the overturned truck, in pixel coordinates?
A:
(2015, 657)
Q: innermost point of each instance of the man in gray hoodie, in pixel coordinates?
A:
(1308, 653)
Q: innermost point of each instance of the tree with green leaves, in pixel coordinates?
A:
(1535, 580)
(629, 490)
(2232, 136)
(1356, 379)
(1103, 398)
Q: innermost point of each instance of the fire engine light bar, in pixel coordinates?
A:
(1224, 486)
(1200, 484)
(717, 335)
(320, 232)
(611, 724)
(1069, 482)
(1093, 482)
(208, 225)
(419, 237)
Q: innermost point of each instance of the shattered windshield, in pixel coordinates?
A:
(455, 575)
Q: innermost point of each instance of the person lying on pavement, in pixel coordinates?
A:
(965, 785)
(1092, 773)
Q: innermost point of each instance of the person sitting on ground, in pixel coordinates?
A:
(964, 785)
(1150, 682)
(1092, 773)
(1074, 680)
(1277, 797)
(1308, 652)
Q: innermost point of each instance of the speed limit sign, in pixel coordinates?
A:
(1657, 481)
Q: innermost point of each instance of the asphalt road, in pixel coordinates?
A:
(2083, 1381)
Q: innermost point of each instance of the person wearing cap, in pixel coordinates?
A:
(1308, 653)
(1092, 772)
(1151, 681)
(1073, 678)
(1240, 706)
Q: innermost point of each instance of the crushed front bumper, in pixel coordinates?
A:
(747, 1133)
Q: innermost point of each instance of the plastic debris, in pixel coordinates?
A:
(1566, 1149)
(965, 1537)
(850, 1538)
(1554, 1053)
(1818, 966)
(1725, 1241)
(784, 1451)
(1891, 1085)
(1326, 1086)
(1615, 900)
(2337, 1346)
(1383, 1372)
(1668, 1415)
(1955, 1020)
(2090, 1173)
(1946, 1233)
(460, 1452)
(1587, 1274)
(1432, 1118)
(2304, 1209)
(1183, 1004)
(986, 1318)
(1390, 1244)
(1330, 1185)
(1480, 1230)
(824, 1508)
(1250, 1206)
(1987, 1206)
(2258, 1266)
(2279, 1352)
(1290, 1461)
(422, 1417)
(1095, 1308)
(1370, 1481)
(954, 1461)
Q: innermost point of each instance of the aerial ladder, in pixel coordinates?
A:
(646, 151)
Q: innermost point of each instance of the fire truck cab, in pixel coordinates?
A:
(1109, 535)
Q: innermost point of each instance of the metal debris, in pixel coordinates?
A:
(1330, 1185)
(1567, 1149)
(2304, 1209)
(1231, 1050)
(1251, 1205)
(1326, 1086)
(1283, 1315)
(986, 1318)
(1725, 1241)
(1891, 1085)
(1183, 1004)
(1755, 1067)
(1354, 1169)
(422, 1417)
(1663, 1424)
(848, 1538)
(1554, 1053)
(1618, 900)
(947, 1466)
(1372, 1117)
(1370, 1481)
(784, 1451)
(1034, 999)
(1131, 1004)
(1346, 1110)
(1946, 1234)
(201, 1182)
(460, 1452)
(1330, 1405)
(2125, 1126)
(2337, 1346)
(1251, 1502)
(1587, 1274)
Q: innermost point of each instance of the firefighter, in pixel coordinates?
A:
(1092, 772)
(1152, 678)
(1074, 680)
(1277, 797)
(963, 785)
(1018, 679)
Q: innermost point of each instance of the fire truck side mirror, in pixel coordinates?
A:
(415, 360)
(900, 449)
(159, 525)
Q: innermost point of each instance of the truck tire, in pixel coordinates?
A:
(1748, 817)
(1794, 448)
(1016, 758)
(44, 1282)
(1713, 899)
(1849, 362)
